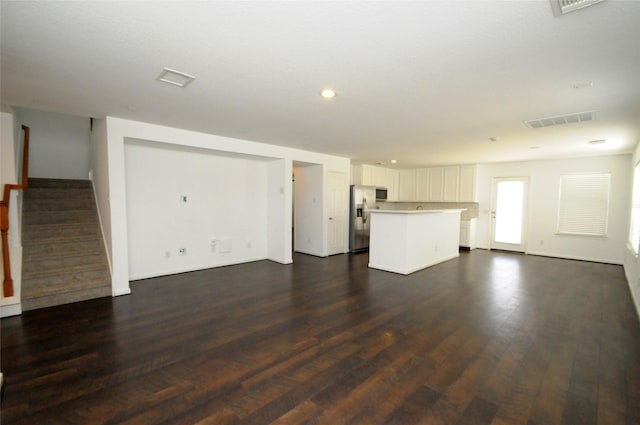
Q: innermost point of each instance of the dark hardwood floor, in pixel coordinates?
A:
(488, 338)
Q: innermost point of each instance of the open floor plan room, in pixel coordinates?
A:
(486, 338)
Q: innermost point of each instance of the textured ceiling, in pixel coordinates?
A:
(422, 82)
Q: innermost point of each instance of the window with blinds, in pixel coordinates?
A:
(634, 229)
(584, 204)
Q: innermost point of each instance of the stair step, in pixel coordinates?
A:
(34, 287)
(65, 298)
(59, 204)
(62, 264)
(59, 217)
(57, 193)
(37, 182)
(39, 233)
(55, 248)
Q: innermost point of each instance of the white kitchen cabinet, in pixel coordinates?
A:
(392, 184)
(362, 175)
(436, 184)
(468, 233)
(451, 182)
(422, 184)
(407, 185)
(378, 176)
(467, 192)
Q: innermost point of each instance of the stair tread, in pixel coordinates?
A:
(66, 298)
(39, 182)
(63, 248)
(63, 269)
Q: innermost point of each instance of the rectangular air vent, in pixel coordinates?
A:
(177, 78)
(562, 119)
(560, 7)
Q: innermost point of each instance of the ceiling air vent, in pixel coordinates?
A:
(177, 78)
(562, 119)
(561, 7)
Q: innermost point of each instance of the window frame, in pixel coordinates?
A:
(569, 202)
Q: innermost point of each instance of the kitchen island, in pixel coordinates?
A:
(404, 241)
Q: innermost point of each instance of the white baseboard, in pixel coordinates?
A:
(575, 257)
(9, 310)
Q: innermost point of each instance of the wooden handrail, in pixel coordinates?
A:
(7, 284)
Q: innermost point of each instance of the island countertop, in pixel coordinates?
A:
(416, 211)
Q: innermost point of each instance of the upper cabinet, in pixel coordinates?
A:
(407, 185)
(438, 184)
(455, 183)
(451, 183)
(467, 192)
(370, 175)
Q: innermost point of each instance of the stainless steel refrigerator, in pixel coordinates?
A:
(363, 199)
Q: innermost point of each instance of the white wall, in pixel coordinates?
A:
(226, 203)
(10, 149)
(59, 144)
(279, 210)
(544, 184)
(309, 210)
(631, 261)
(279, 193)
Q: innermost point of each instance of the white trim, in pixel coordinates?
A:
(8, 310)
(200, 268)
(575, 257)
(121, 292)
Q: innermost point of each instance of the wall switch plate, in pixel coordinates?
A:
(182, 251)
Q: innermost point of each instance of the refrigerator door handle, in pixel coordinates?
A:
(364, 210)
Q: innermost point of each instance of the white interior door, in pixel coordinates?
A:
(337, 210)
(508, 213)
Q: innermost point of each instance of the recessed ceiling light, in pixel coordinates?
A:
(493, 139)
(534, 147)
(393, 161)
(177, 78)
(597, 142)
(328, 94)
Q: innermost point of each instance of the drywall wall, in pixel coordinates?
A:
(541, 216)
(60, 144)
(631, 261)
(10, 148)
(212, 206)
(99, 173)
(279, 198)
(279, 169)
(309, 210)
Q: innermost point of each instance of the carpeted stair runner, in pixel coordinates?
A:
(63, 257)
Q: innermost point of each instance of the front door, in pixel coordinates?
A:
(508, 213)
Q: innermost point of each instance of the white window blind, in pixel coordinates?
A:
(634, 229)
(584, 204)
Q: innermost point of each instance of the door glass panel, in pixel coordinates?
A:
(509, 205)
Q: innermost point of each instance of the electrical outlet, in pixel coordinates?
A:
(249, 245)
(167, 254)
(183, 199)
(213, 245)
(182, 251)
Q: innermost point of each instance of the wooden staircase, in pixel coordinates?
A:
(63, 257)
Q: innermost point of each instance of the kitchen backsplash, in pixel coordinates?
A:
(470, 207)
